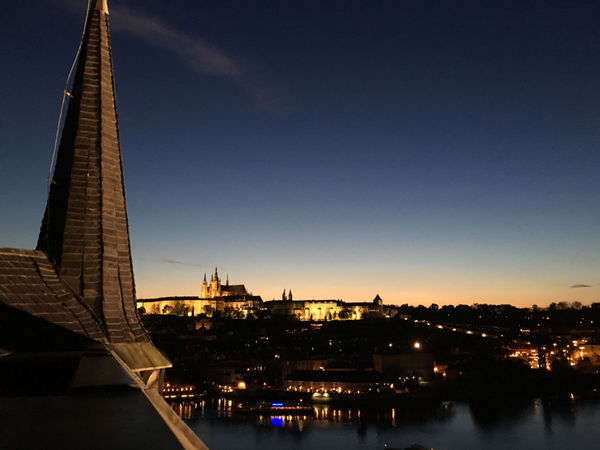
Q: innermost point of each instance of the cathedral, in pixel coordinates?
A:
(215, 289)
(223, 298)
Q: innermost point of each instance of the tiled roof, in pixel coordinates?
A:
(29, 282)
(80, 279)
(239, 298)
(81, 275)
(235, 289)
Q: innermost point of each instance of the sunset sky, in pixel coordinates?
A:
(426, 151)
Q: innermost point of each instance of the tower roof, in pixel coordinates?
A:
(85, 230)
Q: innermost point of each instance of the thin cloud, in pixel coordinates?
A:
(198, 54)
(182, 263)
(576, 286)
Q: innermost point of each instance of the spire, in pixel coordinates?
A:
(101, 6)
(227, 281)
(283, 296)
(85, 230)
(204, 293)
(290, 298)
(216, 274)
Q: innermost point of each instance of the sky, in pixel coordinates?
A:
(426, 151)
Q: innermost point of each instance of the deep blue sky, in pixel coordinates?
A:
(427, 151)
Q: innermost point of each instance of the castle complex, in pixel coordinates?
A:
(309, 310)
(228, 299)
(235, 301)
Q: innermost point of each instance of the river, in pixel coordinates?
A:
(535, 424)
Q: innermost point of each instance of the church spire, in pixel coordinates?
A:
(205, 293)
(283, 296)
(101, 5)
(85, 229)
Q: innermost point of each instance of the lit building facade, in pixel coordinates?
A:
(319, 310)
(338, 381)
(527, 354)
(238, 302)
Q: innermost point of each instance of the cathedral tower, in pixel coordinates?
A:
(205, 293)
(215, 285)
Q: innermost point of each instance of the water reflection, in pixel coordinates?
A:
(494, 425)
(187, 409)
(488, 413)
(324, 415)
(294, 423)
(564, 410)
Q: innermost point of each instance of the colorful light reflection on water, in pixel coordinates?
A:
(277, 421)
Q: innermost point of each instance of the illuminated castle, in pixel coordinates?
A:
(326, 309)
(230, 299)
(215, 289)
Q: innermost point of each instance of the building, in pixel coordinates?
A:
(224, 299)
(235, 301)
(345, 381)
(586, 357)
(306, 309)
(74, 345)
(319, 310)
(236, 306)
(215, 289)
(526, 353)
(589, 351)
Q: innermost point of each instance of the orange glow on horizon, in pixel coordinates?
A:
(166, 282)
